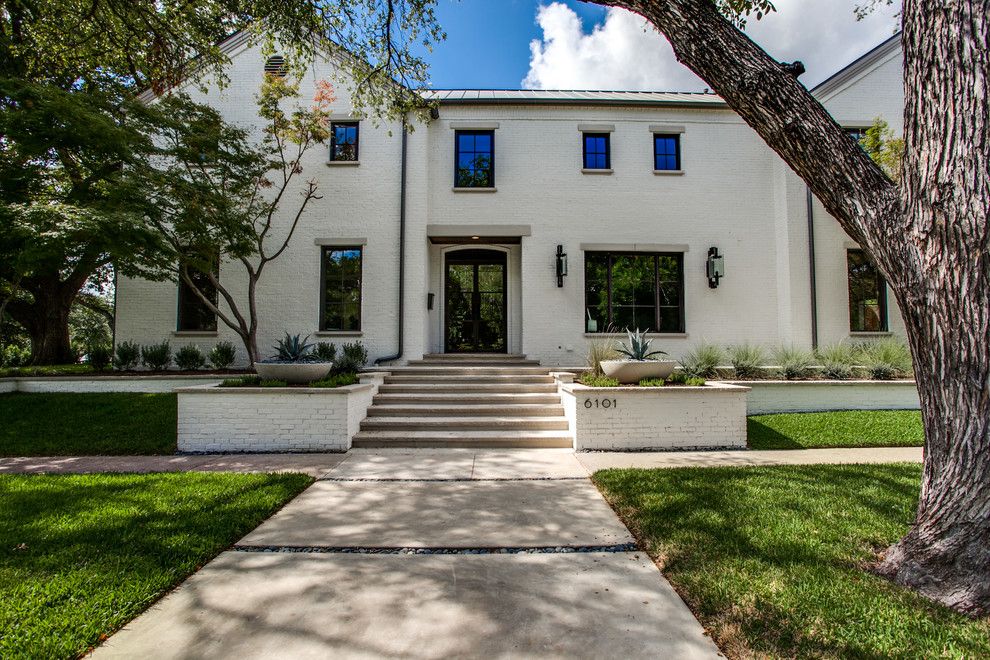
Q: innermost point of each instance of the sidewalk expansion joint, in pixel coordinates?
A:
(369, 550)
(452, 479)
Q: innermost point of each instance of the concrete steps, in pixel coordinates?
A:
(476, 423)
(473, 359)
(473, 388)
(488, 379)
(475, 439)
(466, 410)
(474, 400)
(467, 399)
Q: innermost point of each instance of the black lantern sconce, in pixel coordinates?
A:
(561, 265)
(715, 267)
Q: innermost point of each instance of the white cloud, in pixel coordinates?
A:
(626, 52)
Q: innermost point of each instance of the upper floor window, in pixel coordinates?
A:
(344, 141)
(194, 315)
(666, 152)
(867, 294)
(634, 290)
(597, 151)
(474, 159)
(340, 303)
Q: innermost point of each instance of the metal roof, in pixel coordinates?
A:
(571, 97)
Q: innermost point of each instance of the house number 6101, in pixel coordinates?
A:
(600, 403)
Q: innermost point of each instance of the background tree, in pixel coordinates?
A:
(63, 160)
(929, 234)
(217, 195)
(69, 72)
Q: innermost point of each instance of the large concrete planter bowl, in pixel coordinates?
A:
(293, 372)
(633, 371)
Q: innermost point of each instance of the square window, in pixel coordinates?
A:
(634, 290)
(344, 141)
(596, 151)
(666, 152)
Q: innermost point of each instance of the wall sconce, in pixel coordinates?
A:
(561, 265)
(715, 267)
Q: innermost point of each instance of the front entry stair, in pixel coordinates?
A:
(469, 400)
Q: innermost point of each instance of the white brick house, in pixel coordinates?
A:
(635, 188)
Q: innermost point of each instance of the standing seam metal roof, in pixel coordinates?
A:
(570, 96)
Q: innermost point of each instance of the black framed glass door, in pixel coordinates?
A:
(475, 302)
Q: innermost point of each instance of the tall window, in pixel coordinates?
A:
(344, 141)
(666, 152)
(341, 301)
(194, 314)
(474, 159)
(597, 152)
(867, 294)
(633, 290)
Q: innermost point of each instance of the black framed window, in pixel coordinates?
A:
(474, 159)
(867, 294)
(344, 141)
(856, 134)
(666, 151)
(634, 290)
(194, 314)
(340, 274)
(597, 151)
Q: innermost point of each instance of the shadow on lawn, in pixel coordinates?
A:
(771, 558)
(761, 436)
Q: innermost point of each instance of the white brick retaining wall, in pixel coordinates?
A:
(147, 384)
(266, 419)
(780, 396)
(656, 418)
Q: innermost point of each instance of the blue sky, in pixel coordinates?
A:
(582, 46)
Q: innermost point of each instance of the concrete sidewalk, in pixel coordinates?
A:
(424, 464)
(429, 555)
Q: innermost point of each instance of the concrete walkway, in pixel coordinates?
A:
(429, 555)
(450, 463)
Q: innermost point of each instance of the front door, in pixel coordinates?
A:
(474, 312)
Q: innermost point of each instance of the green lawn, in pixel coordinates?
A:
(87, 424)
(773, 560)
(82, 555)
(51, 370)
(846, 428)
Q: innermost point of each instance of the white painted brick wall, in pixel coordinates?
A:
(639, 419)
(817, 396)
(271, 419)
(735, 194)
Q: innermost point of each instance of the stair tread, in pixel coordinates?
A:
(540, 433)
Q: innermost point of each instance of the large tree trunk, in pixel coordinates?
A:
(946, 300)
(46, 321)
(930, 238)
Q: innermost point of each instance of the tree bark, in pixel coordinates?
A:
(46, 321)
(929, 236)
(945, 298)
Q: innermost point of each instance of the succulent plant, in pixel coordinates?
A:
(293, 349)
(638, 347)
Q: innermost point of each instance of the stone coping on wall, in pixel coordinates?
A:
(214, 389)
(848, 381)
(110, 377)
(709, 387)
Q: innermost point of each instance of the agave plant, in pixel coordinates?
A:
(293, 349)
(638, 347)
